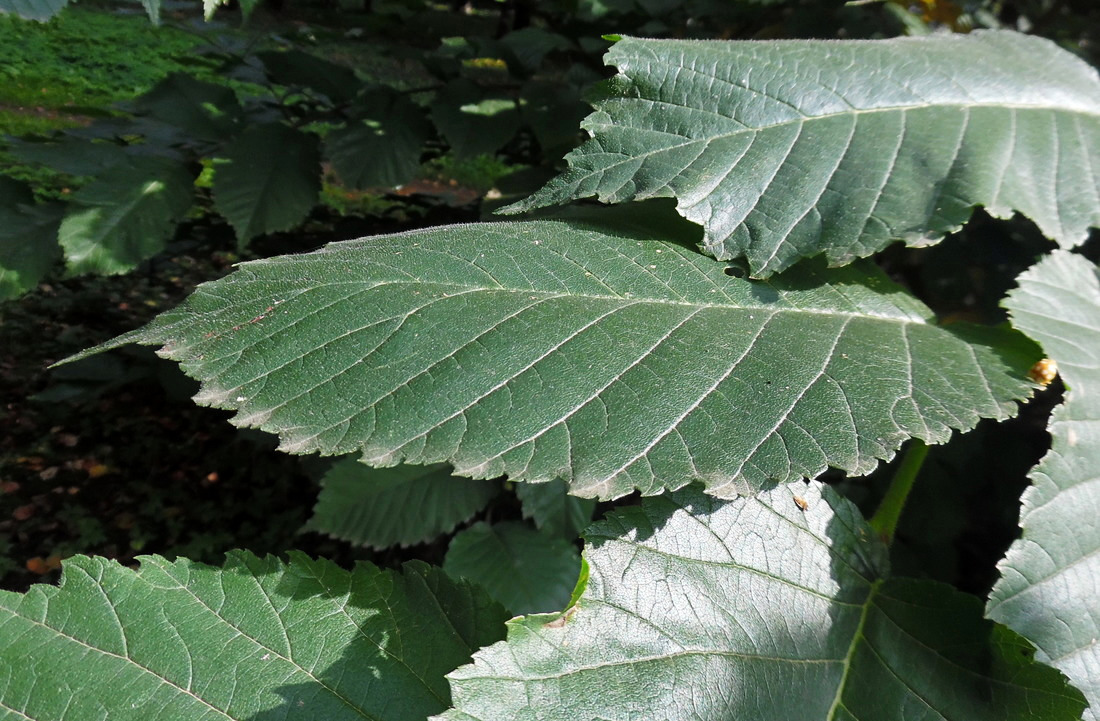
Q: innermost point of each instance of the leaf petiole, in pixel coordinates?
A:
(885, 520)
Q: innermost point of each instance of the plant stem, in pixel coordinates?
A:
(885, 520)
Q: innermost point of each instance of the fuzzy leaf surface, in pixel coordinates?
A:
(550, 349)
(707, 610)
(783, 150)
(1049, 589)
(271, 181)
(526, 571)
(257, 639)
(403, 505)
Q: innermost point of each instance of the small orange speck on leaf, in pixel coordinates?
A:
(1043, 372)
(801, 503)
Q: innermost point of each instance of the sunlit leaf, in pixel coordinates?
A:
(788, 149)
(258, 639)
(552, 349)
(1049, 590)
(707, 610)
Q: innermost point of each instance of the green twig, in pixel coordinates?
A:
(885, 520)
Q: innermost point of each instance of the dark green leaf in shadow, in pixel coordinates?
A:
(526, 571)
(270, 182)
(474, 121)
(381, 148)
(204, 110)
(553, 510)
(305, 71)
(28, 238)
(402, 505)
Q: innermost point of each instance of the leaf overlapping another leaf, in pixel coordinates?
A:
(403, 505)
(1050, 588)
(783, 150)
(704, 610)
(551, 349)
(258, 639)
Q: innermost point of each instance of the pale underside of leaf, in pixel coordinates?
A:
(1050, 586)
(256, 639)
(704, 610)
(784, 150)
(548, 349)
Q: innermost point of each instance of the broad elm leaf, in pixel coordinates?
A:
(592, 353)
(255, 639)
(1049, 589)
(773, 607)
(788, 149)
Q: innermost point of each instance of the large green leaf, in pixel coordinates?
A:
(204, 110)
(783, 150)
(125, 216)
(257, 640)
(1050, 585)
(525, 570)
(705, 610)
(271, 181)
(560, 349)
(382, 150)
(474, 121)
(403, 505)
(305, 71)
(28, 238)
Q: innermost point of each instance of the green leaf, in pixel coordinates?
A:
(553, 510)
(28, 238)
(553, 349)
(295, 68)
(521, 568)
(384, 149)
(40, 10)
(125, 216)
(474, 121)
(204, 110)
(395, 506)
(256, 639)
(271, 181)
(701, 609)
(784, 150)
(1048, 591)
(73, 155)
